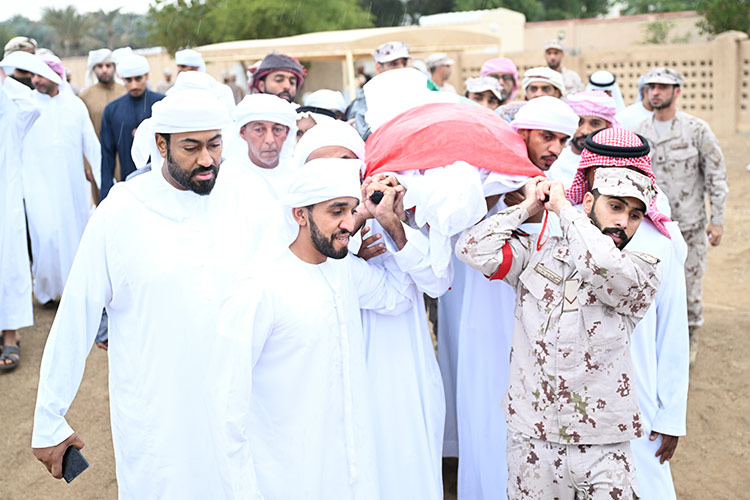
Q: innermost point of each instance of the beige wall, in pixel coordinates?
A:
(507, 25)
(717, 75)
(610, 33)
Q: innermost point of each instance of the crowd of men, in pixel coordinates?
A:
(257, 271)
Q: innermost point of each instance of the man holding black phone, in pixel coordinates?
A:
(158, 253)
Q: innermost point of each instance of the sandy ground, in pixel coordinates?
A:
(711, 462)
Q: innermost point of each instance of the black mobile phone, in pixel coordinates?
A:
(73, 463)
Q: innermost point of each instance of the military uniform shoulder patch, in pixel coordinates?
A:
(646, 257)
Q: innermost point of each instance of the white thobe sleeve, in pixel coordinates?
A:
(245, 323)
(87, 291)
(414, 259)
(379, 288)
(18, 101)
(90, 143)
(672, 345)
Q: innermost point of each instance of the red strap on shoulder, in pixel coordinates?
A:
(504, 268)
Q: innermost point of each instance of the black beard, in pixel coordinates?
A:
(107, 81)
(285, 95)
(610, 230)
(665, 104)
(325, 245)
(578, 142)
(25, 81)
(186, 180)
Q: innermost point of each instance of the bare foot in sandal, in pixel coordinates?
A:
(11, 353)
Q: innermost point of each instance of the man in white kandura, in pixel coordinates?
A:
(158, 254)
(268, 126)
(19, 112)
(296, 396)
(56, 188)
(407, 388)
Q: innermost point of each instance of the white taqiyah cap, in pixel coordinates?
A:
(31, 63)
(132, 65)
(546, 113)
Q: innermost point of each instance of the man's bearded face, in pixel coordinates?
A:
(193, 160)
(660, 95)
(553, 58)
(196, 180)
(105, 72)
(280, 83)
(616, 217)
(335, 223)
(543, 146)
(586, 125)
(325, 244)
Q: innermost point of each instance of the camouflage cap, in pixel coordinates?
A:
(439, 59)
(624, 182)
(667, 76)
(554, 44)
(20, 43)
(391, 51)
(485, 83)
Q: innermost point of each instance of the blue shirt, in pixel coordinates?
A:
(121, 117)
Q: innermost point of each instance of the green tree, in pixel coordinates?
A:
(193, 22)
(23, 26)
(7, 31)
(574, 9)
(532, 9)
(132, 30)
(114, 29)
(180, 24)
(254, 19)
(721, 15)
(649, 6)
(657, 32)
(107, 21)
(70, 28)
(418, 8)
(385, 12)
(542, 10)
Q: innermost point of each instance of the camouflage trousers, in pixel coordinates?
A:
(695, 268)
(543, 470)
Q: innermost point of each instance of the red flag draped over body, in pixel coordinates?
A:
(436, 135)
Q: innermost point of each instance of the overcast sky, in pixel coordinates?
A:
(33, 8)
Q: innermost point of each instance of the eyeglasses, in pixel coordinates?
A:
(506, 77)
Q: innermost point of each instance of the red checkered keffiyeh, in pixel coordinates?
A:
(616, 147)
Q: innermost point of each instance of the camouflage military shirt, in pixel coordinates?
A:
(571, 374)
(572, 81)
(688, 163)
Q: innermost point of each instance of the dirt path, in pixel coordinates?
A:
(711, 462)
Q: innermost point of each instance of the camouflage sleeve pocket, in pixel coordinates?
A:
(544, 285)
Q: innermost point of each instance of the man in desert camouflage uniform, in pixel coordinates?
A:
(571, 406)
(688, 164)
(554, 52)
